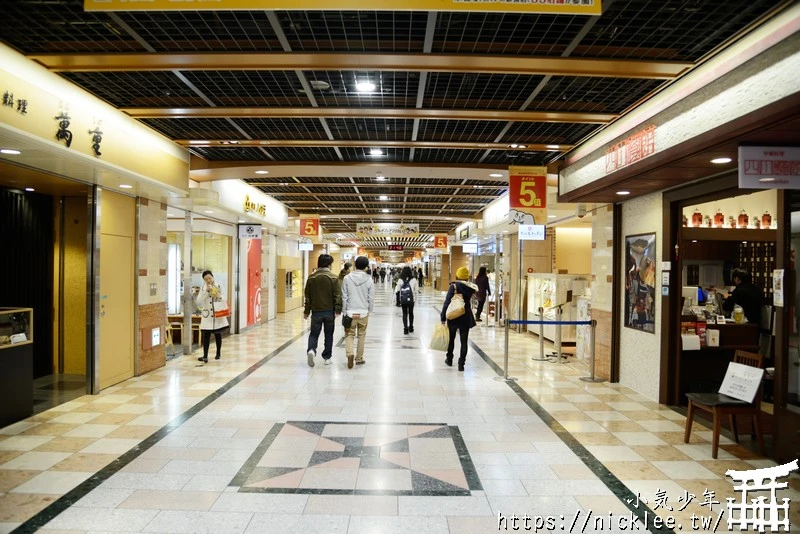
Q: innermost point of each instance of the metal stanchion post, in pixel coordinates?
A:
(592, 377)
(541, 357)
(505, 377)
(558, 353)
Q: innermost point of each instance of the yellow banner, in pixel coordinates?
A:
(556, 7)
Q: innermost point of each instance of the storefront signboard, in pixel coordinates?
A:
(769, 167)
(238, 197)
(387, 230)
(309, 225)
(527, 195)
(249, 231)
(305, 243)
(632, 149)
(531, 232)
(552, 7)
(440, 241)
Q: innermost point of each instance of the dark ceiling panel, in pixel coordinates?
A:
(516, 157)
(40, 27)
(548, 132)
(137, 89)
(460, 131)
(249, 88)
(363, 154)
(231, 153)
(204, 31)
(669, 30)
(505, 33)
(441, 155)
(338, 88)
(587, 94)
(462, 90)
(371, 129)
(354, 31)
(203, 129)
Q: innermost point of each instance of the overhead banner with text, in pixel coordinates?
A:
(527, 195)
(552, 7)
(440, 241)
(309, 225)
(387, 230)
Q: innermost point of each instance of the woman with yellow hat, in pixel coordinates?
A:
(463, 323)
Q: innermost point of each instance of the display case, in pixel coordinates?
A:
(549, 290)
(16, 360)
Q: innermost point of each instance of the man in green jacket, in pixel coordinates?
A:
(323, 301)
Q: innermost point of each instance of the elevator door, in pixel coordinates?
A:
(116, 309)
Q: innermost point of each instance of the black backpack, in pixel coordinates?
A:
(406, 295)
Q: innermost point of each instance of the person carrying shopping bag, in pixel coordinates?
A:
(462, 323)
(214, 312)
(406, 291)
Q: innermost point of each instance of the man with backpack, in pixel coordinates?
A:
(406, 292)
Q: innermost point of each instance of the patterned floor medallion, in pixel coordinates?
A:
(360, 459)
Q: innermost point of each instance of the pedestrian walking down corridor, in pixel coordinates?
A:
(323, 302)
(482, 281)
(406, 291)
(358, 299)
(463, 323)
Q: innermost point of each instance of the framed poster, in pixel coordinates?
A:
(640, 282)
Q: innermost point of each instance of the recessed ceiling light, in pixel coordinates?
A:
(514, 145)
(9, 151)
(523, 146)
(720, 161)
(365, 86)
(766, 180)
(125, 186)
(209, 211)
(694, 240)
(241, 221)
(380, 178)
(623, 193)
(375, 152)
(262, 172)
(30, 189)
(553, 147)
(496, 175)
(320, 85)
(383, 197)
(551, 216)
(449, 218)
(384, 210)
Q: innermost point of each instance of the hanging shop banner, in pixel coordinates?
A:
(387, 230)
(769, 167)
(440, 241)
(527, 195)
(309, 225)
(253, 281)
(553, 7)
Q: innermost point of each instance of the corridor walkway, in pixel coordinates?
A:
(260, 442)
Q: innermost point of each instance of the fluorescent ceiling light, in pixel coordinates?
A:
(375, 152)
(623, 193)
(365, 86)
(125, 186)
(496, 175)
(551, 216)
(553, 147)
(383, 197)
(209, 211)
(720, 161)
(9, 151)
(262, 172)
(384, 210)
(30, 189)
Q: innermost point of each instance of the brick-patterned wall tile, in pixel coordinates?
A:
(609, 278)
(162, 239)
(142, 237)
(162, 272)
(610, 243)
(143, 201)
(142, 272)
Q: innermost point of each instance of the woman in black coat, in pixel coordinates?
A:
(482, 281)
(460, 324)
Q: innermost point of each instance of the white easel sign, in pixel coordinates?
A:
(741, 381)
(777, 288)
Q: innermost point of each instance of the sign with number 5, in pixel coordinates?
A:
(440, 241)
(527, 195)
(309, 225)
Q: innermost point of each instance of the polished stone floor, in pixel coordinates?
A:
(260, 442)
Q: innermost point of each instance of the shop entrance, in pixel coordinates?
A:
(45, 222)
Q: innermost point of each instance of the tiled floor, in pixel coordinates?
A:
(260, 442)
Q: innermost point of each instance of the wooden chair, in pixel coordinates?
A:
(719, 405)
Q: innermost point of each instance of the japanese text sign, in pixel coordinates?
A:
(309, 225)
(762, 167)
(527, 194)
(741, 381)
(440, 241)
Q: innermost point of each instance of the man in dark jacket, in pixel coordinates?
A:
(461, 324)
(745, 295)
(323, 301)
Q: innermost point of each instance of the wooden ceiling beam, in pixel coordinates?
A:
(229, 143)
(420, 195)
(322, 61)
(376, 184)
(369, 113)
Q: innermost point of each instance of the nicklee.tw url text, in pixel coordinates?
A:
(582, 521)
